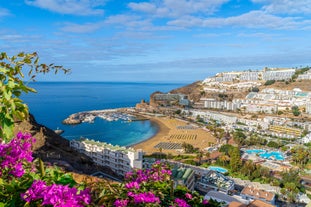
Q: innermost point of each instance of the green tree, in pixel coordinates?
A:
(239, 137)
(255, 89)
(291, 181)
(301, 155)
(296, 111)
(188, 148)
(273, 144)
(269, 82)
(226, 148)
(235, 159)
(12, 84)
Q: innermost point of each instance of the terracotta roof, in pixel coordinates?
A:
(214, 155)
(256, 193)
(231, 141)
(236, 204)
(259, 203)
(255, 203)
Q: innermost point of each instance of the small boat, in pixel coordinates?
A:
(59, 131)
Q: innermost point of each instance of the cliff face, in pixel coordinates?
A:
(53, 148)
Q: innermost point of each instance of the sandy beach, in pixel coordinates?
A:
(174, 132)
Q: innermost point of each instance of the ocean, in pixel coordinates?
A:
(55, 101)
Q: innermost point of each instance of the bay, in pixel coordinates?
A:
(55, 101)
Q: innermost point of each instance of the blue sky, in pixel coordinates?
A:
(157, 40)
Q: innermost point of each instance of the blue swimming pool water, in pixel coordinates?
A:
(255, 151)
(218, 169)
(273, 154)
(266, 154)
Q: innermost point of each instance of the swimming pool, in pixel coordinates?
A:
(273, 154)
(266, 154)
(218, 169)
(255, 151)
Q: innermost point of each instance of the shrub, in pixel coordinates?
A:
(269, 82)
(33, 185)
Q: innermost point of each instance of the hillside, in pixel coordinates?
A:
(304, 85)
(193, 90)
(54, 149)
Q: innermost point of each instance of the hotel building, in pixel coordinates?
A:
(120, 159)
(285, 130)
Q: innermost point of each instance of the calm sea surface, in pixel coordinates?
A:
(56, 101)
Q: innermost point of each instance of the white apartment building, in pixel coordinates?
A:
(224, 105)
(254, 123)
(120, 159)
(306, 139)
(265, 74)
(206, 115)
(305, 76)
(260, 108)
(214, 90)
(250, 76)
(277, 74)
(308, 108)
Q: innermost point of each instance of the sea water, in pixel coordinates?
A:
(55, 101)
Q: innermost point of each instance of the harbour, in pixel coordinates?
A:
(123, 114)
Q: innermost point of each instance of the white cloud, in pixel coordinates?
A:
(4, 12)
(252, 19)
(176, 8)
(75, 7)
(286, 6)
(82, 28)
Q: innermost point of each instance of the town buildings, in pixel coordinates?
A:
(265, 75)
(251, 193)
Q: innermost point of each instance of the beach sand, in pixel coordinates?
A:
(173, 130)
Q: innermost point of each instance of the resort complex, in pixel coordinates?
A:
(211, 138)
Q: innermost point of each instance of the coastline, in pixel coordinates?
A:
(162, 130)
(168, 130)
(170, 133)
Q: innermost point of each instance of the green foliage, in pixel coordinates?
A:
(299, 72)
(269, 82)
(255, 89)
(296, 111)
(235, 159)
(273, 144)
(188, 148)
(223, 96)
(239, 137)
(226, 148)
(301, 155)
(254, 139)
(12, 86)
(178, 111)
(280, 112)
(11, 189)
(291, 184)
